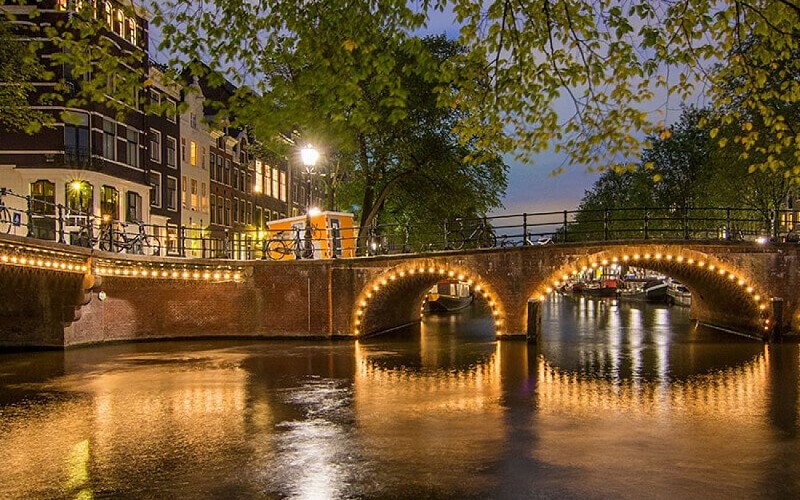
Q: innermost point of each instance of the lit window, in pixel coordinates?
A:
(193, 153)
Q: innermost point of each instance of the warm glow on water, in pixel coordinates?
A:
(619, 400)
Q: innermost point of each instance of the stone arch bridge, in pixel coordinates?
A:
(60, 296)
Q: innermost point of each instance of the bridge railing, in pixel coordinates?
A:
(38, 218)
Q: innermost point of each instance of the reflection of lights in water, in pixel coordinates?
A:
(636, 322)
(615, 341)
(731, 392)
(78, 469)
(316, 449)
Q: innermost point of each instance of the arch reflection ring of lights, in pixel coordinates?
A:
(388, 279)
(724, 273)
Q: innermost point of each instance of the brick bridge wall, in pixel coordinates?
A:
(323, 299)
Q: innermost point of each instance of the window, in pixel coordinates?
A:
(130, 31)
(242, 183)
(133, 212)
(76, 143)
(171, 145)
(213, 167)
(183, 149)
(249, 212)
(109, 140)
(192, 120)
(155, 146)
(283, 186)
(43, 197)
(154, 178)
(227, 171)
(155, 97)
(236, 178)
(194, 199)
(220, 177)
(236, 209)
(213, 209)
(242, 213)
(80, 196)
(203, 157)
(275, 183)
(183, 191)
(221, 210)
(109, 203)
(203, 197)
(172, 110)
(133, 147)
(193, 153)
(108, 10)
(172, 193)
(227, 211)
(119, 22)
(259, 185)
(259, 218)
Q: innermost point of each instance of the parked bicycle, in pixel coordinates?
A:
(6, 215)
(482, 235)
(112, 240)
(287, 244)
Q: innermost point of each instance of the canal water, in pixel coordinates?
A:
(619, 401)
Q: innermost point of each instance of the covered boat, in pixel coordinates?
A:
(650, 290)
(678, 294)
(449, 295)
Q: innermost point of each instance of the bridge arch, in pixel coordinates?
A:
(396, 297)
(721, 293)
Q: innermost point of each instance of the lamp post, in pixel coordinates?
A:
(309, 156)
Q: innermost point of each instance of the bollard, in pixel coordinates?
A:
(534, 321)
(776, 332)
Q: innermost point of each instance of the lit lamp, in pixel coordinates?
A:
(309, 156)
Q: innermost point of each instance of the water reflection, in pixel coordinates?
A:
(618, 401)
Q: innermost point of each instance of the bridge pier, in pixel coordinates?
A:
(534, 321)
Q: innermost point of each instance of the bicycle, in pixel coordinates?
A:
(481, 236)
(282, 245)
(6, 216)
(111, 240)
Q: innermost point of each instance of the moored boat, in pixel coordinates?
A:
(448, 296)
(678, 294)
(651, 290)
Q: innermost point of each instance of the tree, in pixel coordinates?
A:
(19, 68)
(606, 59)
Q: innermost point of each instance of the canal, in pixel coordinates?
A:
(620, 400)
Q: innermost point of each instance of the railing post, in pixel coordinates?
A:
(685, 223)
(728, 228)
(203, 245)
(61, 224)
(525, 241)
(29, 213)
(606, 216)
(182, 240)
(774, 229)
(646, 224)
(565, 226)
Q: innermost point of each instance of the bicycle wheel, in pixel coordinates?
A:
(106, 241)
(278, 249)
(153, 244)
(456, 240)
(487, 239)
(6, 220)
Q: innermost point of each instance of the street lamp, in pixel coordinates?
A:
(309, 156)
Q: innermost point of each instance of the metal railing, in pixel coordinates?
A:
(35, 218)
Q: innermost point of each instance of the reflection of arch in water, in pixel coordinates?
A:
(731, 391)
(718, 287)
(396, 297)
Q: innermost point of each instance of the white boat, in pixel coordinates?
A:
(678, 294)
